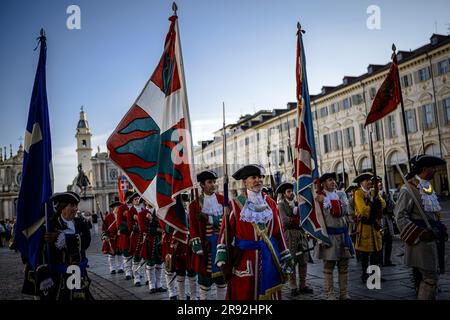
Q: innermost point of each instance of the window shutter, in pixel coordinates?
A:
(416, 77)
(421, 111)
(435, 69)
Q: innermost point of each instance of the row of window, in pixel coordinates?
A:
(406, 80)
(428, 120)
(333, 141)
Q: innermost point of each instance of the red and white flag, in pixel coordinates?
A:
(152, 143)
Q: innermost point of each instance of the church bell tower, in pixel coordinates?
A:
(84, 149)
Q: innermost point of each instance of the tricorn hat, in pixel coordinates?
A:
(66, 197)
(351, 187)
(248, 171)
(206, 175)
(284, 186)
(363, 176)
(327, 175)
(115, 203)
(131, 197)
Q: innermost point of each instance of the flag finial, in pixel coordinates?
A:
(174, 8)
(394, 47)
(299, 28)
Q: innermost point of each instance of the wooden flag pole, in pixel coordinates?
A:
(394, 60)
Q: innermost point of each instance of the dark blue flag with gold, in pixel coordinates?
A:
(37, 172)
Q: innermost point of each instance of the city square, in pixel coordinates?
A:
(135, 176)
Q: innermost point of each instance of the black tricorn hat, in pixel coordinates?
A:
(378, 178)
(128, 194)
(284, 186)
(423, 161)
(206, 175)
(248, 171)
(351, 187)
(327, 175)
(66, 197)
(363, 176)
(132, 196)
(115, 203)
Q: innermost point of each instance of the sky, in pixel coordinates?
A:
(238, 52)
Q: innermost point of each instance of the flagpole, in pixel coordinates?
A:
(225, 197)
(394, 60)
(372, 154)
(342, 155)
(353, 160)
(384, 163)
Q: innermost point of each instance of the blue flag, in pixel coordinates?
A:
(37, 173)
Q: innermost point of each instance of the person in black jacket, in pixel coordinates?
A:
(68, 238)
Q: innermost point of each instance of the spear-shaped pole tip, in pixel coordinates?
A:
(42, 32)
(393, 47)
(174, 8)
(299, 28)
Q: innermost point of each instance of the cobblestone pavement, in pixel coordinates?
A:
(398, 284)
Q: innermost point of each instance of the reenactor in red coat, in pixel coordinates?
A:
(124, 235)
(205, 218)
(110, 239)
(135, 241)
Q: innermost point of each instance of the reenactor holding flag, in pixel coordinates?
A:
(368, 211)
(257, 257)
(417, 212)
(205, 219)
(68, 238)
(334, 207)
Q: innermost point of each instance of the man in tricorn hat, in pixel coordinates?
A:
(205, 219)
(368, 211)
(68, 238)
(421, 243)
(296, 237)
(334, 207)
(110, 239)
(255, 234)
(124, 235)
(135, 241)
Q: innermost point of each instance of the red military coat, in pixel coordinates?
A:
(110, 231)
(132, 216)
(122, 226)
(244, 281)
(197, 230)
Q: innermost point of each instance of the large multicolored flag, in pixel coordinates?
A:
(152, 143)
(306, 171)
(36, 187)
(388, 96)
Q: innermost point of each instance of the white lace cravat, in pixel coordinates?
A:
(256, 209)
(211, 205)
(429, 201)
